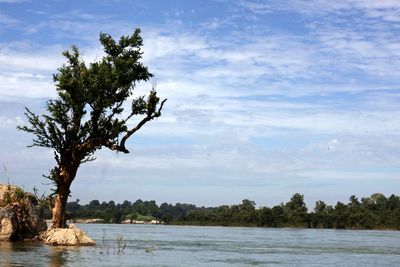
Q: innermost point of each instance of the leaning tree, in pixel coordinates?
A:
(90, 111)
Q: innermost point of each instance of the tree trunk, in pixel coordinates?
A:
(65, 177)
(59, 209)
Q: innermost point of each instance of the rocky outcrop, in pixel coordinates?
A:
(20, 215)
(8, 224)
(21, 219)
(67, 237)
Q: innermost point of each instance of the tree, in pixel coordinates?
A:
(322, 216)
(320, 206)
(265, 217)
(296, 210)
(88, 113)
(340, 216)
(247, 211)
(278, 216)
(94, 204)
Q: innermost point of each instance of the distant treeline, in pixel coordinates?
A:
(374, 212)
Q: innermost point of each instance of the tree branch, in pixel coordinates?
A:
(121, 147)
(89, 145)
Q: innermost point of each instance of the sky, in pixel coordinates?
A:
(265, 98)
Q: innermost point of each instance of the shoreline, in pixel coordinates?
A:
(181, 223)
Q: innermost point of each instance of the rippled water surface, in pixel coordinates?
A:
(158, 245)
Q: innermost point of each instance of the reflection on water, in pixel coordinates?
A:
(58, 256)
(155, 245)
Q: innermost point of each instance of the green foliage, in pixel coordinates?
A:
(296, 210)
(12, 195)
(19, 194)
(89, 112)
(139, 217)
(149, 249)
(375, 212)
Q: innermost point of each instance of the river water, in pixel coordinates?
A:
(159, 245)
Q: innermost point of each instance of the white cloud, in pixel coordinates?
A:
(16, 60)
(385, 7)
(268, 65)
(350, 175)
(6, 20)
(26, 71)
(13, 1)
(26, 85)
(6, 122)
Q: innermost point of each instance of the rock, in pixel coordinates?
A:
(21, 219)
(20, 215)
(8, 224)
(67, 237)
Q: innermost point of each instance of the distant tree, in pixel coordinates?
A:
(224, 214)
(151, 208)
(340, 216)
(354, 215)
(247, 212)
(111, 204)
(94, 204)
(265, 217)
(138, 206)
(320, 206)
(126, 207)
(321, 217)
(393, 202)
(353, 201)
(103, 205)
(278, 216)
(247, 205)
(296, 210)
(73, 206)
(88, 113)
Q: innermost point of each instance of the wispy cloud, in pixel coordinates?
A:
(13, 1)
(6, 20)
(383, 9)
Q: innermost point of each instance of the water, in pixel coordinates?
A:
(158, 245)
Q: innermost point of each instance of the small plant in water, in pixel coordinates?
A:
(105, 247)
(149, 250)
(121, 243)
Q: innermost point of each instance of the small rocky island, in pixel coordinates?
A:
(21, 219)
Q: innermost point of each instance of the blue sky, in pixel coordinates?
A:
(265, 98)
